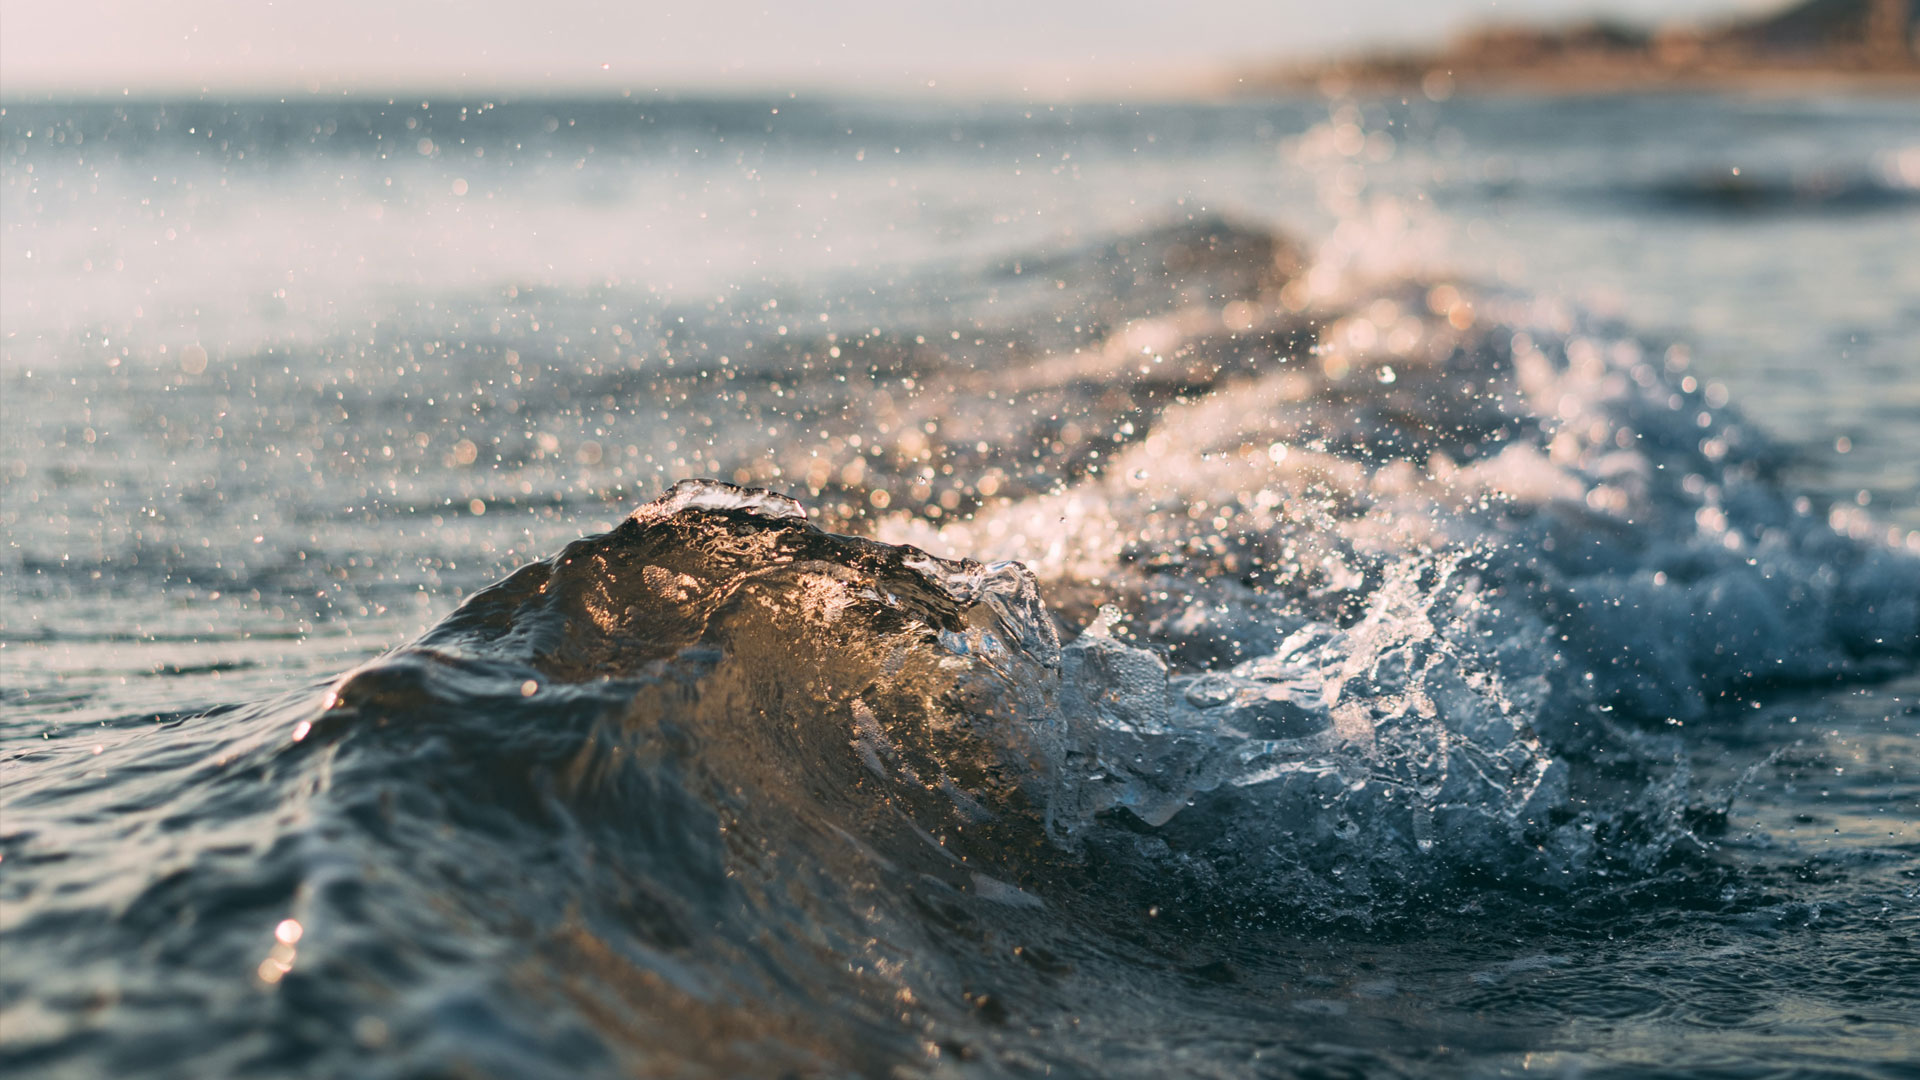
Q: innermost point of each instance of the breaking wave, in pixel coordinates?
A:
(1307, 613)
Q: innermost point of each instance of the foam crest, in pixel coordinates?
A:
(719, 495)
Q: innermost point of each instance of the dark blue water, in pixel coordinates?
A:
(1317, 588)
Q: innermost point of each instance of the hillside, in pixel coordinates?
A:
(1843, 43)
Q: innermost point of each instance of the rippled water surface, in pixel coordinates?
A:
(751, 588)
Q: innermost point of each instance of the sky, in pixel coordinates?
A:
(1037, 46)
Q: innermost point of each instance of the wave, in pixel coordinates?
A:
(1834, 192)
(1332, 610)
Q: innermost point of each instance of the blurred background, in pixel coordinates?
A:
(1070, 48)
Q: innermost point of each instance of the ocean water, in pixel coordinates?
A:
(847, 588)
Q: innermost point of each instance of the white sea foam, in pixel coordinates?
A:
(1397, 593)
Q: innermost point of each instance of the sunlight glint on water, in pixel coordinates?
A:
(1450, 543)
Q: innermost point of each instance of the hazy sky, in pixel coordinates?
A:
(1048, 46)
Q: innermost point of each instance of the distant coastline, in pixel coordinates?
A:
(1814, 45)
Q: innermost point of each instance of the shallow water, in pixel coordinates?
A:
(1464, 622)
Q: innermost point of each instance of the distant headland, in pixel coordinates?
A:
(1811, 45)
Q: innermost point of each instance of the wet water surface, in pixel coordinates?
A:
(798, 588)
